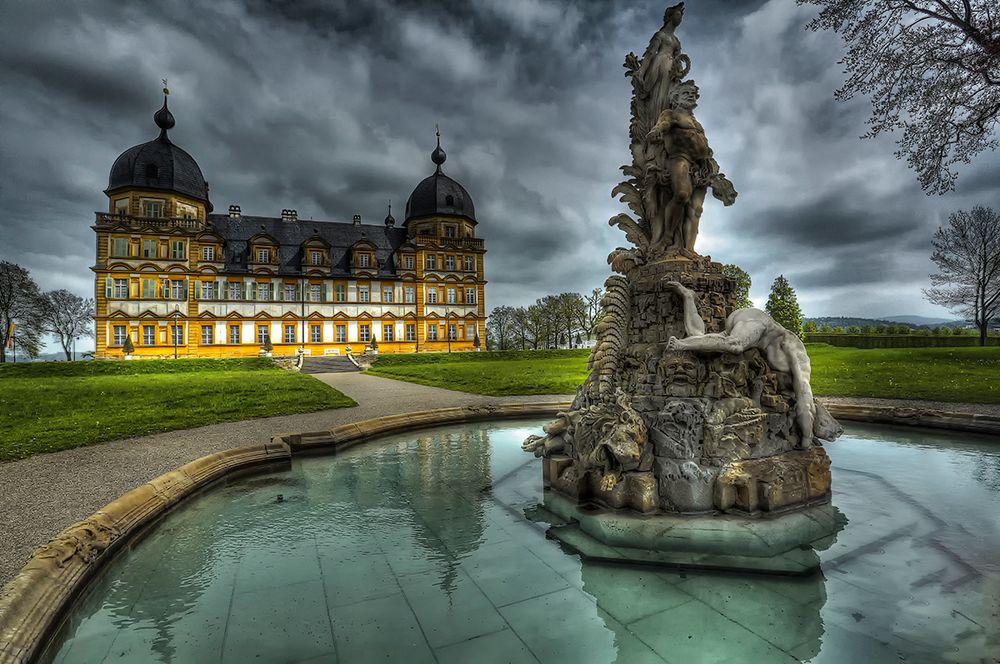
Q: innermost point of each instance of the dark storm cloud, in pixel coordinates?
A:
(329, 107)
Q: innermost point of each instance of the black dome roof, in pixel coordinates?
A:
(159, 164)
(439, 194)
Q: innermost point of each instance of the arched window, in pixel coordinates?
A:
(449, 200)
(152, 172)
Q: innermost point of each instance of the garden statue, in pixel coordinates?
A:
(692, 406)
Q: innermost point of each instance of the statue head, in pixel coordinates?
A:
(681, 374)
(673, 15)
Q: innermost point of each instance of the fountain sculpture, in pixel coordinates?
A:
(692, 407)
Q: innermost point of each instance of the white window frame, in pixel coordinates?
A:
(409, 294)
(363, 260)
(408, 262)
(431, 262)
(208, 253)
(470, 295)
(364, 332)
(340, 332)
(155, 249)
(432, 331)
(289, 338)
(449, 263)
(235, 338)
(148, 335)
(263, 255)
(432, 296)
(315, 292)
(452, 296)
(120, 289)
(388, 332)
(236, 290)
(452, 332)
(315, 333)
(410, 331)
(174, 253)
(152, 205)
(207, 335)
(470, 264)
(387, 295)
(363, 294)
(262, 334)
(177, 335)
(316, 257)
(119, 242)
(118, 335)
(177, 289)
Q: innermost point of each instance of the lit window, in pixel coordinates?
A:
(121, 288)
(387, 332)
(208, 253)
(317, 258)
(363, 294)
(363, 260)
(470, 295)
(148, 335)
(289, 334)
(234, 334)
(432, 332)
(341, 331)
(408, 262)
(432, 262)
(365, 332)
(262, 335)
(449, 263)
(452, 332)
(176, 335)
(409, 294)
(451, 296)
(411, 332)
(236, 291)
(263, 291)
(119, 246)
(207, 334)
(432, 296)
(470, 264)
(387, 293)
(149, 249)
(315, 293)
(315, 334)
(119, 335)
(177, 250)
(177, 290)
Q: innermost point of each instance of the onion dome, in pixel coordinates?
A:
(159, 165)
(390, 221)
(438, 194)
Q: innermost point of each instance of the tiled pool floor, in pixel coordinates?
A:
(416, 549)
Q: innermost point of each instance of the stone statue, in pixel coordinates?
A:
(753, 328)
(672, 164)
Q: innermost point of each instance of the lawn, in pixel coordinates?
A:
(939, 374)
(46, 407)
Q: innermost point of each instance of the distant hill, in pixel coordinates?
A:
(914, 322)
(922, 320)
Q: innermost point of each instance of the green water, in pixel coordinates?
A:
(416, 549)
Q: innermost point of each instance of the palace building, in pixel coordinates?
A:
(171, 276)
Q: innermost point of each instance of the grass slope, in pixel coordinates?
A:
(55, 406)
(937, 374)
(496, 373)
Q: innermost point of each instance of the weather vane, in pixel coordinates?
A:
(166, 90)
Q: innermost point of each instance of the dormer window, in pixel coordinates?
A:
(449, 231)
(408, 262)
(363, 260)
(263, 255)
(316, 257)
(208, 253)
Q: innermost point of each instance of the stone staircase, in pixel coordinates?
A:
(327, 364)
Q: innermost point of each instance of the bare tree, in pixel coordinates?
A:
(931, 69)
(591, 313)
(967, 254)
(19, 310)
(499, 326)
(67, 317)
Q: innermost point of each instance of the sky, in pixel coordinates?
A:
(330, 107)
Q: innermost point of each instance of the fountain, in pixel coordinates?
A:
(695, 439)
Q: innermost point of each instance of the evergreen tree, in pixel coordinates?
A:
(743, 282)
(783, 306)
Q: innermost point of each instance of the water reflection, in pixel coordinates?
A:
(422, 537)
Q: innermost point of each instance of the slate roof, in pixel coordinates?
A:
(291, 235)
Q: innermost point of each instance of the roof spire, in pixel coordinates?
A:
(438, 156)
(163, 118)
(390, 221)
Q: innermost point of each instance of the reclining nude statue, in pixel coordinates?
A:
(753, 328)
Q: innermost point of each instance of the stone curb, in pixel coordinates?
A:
(917, 417)
(33, 604)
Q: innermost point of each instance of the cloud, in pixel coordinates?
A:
(330, 108)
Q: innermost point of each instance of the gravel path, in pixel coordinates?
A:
(45, 493)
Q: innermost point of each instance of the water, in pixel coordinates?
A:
(415, 549)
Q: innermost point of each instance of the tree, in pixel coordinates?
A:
(967, 254)
(931, 69)
(67, 317)
(809, 327)
(127, 347)
(499, 325)
(743, 282)
(19, 307)
(591, 313)
(783, 306)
